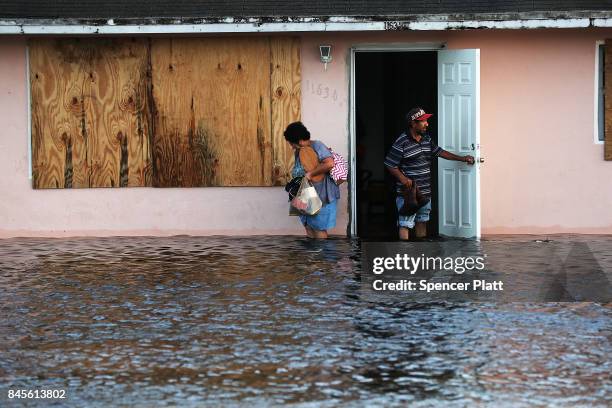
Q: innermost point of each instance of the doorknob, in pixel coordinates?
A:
(481, 160)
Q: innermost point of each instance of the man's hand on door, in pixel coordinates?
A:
(468, 159)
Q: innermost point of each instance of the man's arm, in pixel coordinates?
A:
(395, 172)
(450, 156)
(393, 159)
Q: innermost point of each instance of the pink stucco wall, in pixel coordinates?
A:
(543, 172)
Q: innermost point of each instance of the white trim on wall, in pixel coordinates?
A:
(395, 47)
(596, 99)
(352, 190)
(213, 28)
(337, 23)
(479, 151)
(399, 47)
(29, 111)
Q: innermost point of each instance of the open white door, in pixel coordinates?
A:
(459, 133)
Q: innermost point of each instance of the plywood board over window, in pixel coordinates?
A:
(89, 113)
(285, 94)
(180, 112)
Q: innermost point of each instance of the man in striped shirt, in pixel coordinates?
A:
(409, 161)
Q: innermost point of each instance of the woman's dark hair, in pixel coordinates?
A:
(295, 132)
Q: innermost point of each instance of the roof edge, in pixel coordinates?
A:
(531, 20)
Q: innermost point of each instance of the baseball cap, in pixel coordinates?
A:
(418, 114)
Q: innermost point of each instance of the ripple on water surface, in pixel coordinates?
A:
(274, 320)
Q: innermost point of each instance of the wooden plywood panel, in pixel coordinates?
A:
(608, 101)
(59, 145)
(115, 92)
(166, 112)
(212, 102)
(89, 112)
(286, 96)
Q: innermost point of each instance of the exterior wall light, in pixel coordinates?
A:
(326, 57)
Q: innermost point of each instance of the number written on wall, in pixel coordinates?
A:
(323, 91)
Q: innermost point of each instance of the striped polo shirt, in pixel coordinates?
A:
(414, 160)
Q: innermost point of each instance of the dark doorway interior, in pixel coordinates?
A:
(387, 85)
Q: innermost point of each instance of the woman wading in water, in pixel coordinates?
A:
(313, 160)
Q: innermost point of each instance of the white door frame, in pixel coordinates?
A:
(392, 47)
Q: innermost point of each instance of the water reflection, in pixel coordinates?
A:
(275, 320)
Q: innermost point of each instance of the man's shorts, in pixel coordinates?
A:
(422, 215)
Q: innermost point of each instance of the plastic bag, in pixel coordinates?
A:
(293, 186)
(307, 200)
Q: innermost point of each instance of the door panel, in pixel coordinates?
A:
(449, 218)
(458, 113)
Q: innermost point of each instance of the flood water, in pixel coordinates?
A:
(269, 321)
